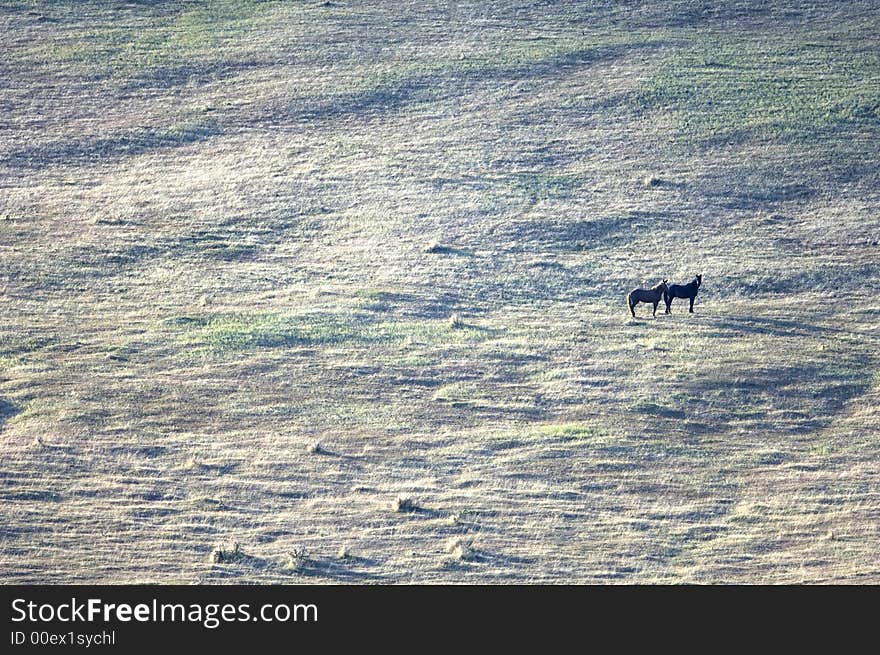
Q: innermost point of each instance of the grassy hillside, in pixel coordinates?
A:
(343, 283)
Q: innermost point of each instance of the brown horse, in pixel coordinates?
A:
(651, 296)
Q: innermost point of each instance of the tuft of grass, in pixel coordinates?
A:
(208, 504)
(456, 322)
(457, 394)
(460, 548)
(343, 552)
(404, 504)
(297, 560)
(230, 554)
(652, 343)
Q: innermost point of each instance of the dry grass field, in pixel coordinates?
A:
(343, 283)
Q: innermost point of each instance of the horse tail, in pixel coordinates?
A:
(629, 299)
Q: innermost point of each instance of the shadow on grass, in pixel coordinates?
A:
(33, 495)
(7, 411)
(756, 196)
(216, 468)
(324, 451)
(140, 451)
(98, 150)
(349, 569)
(393, 95)
(743, 325)
(700, 13)
(499, 559)
(656, 409)
(164, 77)
(782, 399)
(431, 304)
(209, 245)
(343, 570)
(420, 511)
(579, 235)
(233, 240)
(600, 105)
(448, 250)
(835, 160)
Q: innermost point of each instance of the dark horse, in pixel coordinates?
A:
(651, 296)
(688, 290)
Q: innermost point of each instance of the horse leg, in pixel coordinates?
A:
(632, 308)
(656, 302)
(667, 300)
(691, 310)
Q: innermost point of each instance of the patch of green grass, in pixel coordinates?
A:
(236, 332)
(779, 88)
(195, 32)
(457, 393)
